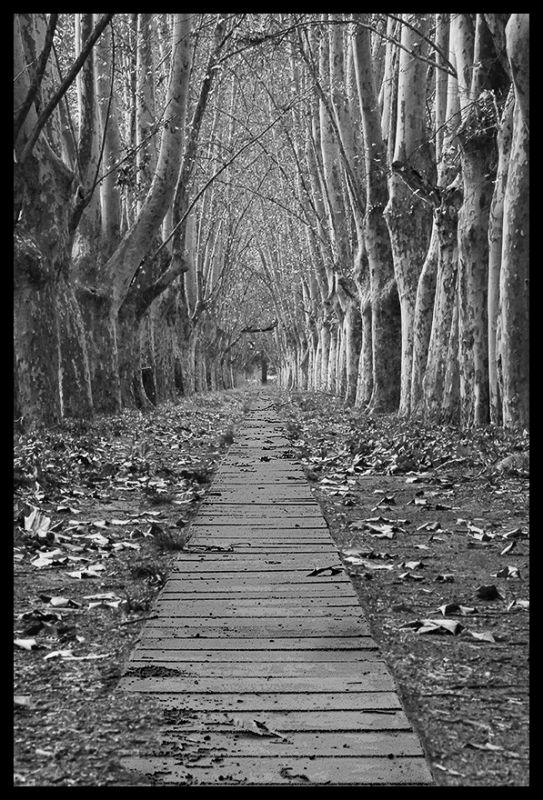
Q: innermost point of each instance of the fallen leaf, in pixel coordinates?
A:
(370, 565)
(440, 626)
(483, 536)
(429, 526)
(28, 644)
(356, 552)
(449, 771)
(484, 636)
(454, 608)
(516, 533)
(61, 602)
(101, 596)
(508, 548)
(486, 746)
(321, 570)
(524, 604)
(255, 727)
(57, 654)
(37, 522)
(410, 576)
(23, 700)
(508, 572)
(489, 592)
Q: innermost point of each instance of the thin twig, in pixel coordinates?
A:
(138, 619)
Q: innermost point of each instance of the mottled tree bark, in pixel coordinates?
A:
(408, 212)
(514, 276)
(386, 333)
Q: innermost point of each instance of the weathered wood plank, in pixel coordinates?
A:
(197, 566)
(293, 685)
(270, 771)
(226, 669)
(155, 638)
(146, 652)
(293, 720)
(269, 579)
(251, 628)
(245, 585)
(279, 701)
(285, 591)
(283, 607)
(325, 744)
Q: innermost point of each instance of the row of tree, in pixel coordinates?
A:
(346, 195)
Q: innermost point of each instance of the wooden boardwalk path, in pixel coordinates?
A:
(268, 674)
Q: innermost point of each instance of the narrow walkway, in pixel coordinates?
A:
(268, 673)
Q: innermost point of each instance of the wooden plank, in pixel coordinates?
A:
(178, 609)
(279, 701)
(196, 566)
(320, 744)
(249, 560)
(250, 628)
(292, 512)
(274, 547)
(146, 652)
(225, 669)
(292, 685)
(156, 638)
(283, 590)
(244, 585)
(293, 720)
(293, 557)
(269, 578)
(267, 607)
(275, 771)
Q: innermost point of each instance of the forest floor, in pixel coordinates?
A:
(431, 522)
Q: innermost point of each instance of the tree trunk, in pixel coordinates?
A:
(477, 149)
(495, 241)
(407, 212)
(514, 276)
(51, 369)
(446, 218)
(353, 342)
(422, 320)
(386, 333)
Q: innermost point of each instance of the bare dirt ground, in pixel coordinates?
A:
(432, 524)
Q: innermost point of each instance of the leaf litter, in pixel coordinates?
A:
(86, 495)
(483, 517)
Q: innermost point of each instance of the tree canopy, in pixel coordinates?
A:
(344, 196)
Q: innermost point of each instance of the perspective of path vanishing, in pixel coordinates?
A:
(259, 650)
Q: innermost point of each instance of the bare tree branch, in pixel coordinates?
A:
(38, 75)
(65, 85)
